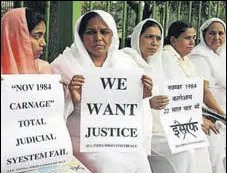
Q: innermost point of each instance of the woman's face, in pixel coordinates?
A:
(215, 35)
(97, 38)
(185, 42)
(150, 41)
(37, 39)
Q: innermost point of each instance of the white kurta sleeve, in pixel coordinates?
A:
(68, 104)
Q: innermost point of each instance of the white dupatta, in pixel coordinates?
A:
(76, 57)
(216, 61)
(153, 68)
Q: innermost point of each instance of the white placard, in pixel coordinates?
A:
(111, 111)
(33, 130)
(182, 118)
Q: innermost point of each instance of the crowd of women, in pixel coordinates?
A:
(96, 44)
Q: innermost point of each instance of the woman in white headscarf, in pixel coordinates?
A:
(147, 44)
(146, 48)
(209, 58)
(96, 45)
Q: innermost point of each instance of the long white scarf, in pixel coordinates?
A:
(152, 67)
(76, 58)
(216, 61)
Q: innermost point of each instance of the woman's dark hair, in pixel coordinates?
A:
(148, 24)
(33, 18)
(175, 30)
(84, 22)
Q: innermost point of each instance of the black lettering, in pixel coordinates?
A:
(108, 82)
(31, 105)
(110, 132)
(31, 122)
(121, 83)
(92, 106)
(108, 110)
(34, 139)
(24, 87)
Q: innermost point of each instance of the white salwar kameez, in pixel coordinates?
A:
(71, 62)
(194, 160)
(160, 156)
(211, 66)
(155, 72)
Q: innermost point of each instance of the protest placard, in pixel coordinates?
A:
(182, 118)
(33, 130)
(111, 111)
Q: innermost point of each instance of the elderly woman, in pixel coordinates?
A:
(209, 58)
(23, 42)
(96, 45)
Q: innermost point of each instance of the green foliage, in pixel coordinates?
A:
(209, 9)
(177, 10)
